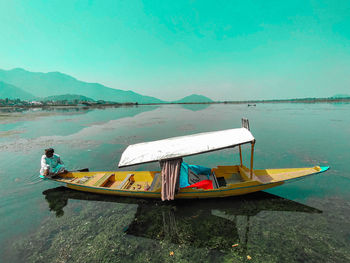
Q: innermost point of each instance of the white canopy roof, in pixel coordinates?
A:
(178, 147)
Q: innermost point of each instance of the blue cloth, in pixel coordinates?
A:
(197, 169)
(58, 168)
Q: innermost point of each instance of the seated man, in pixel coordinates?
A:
(51, 164)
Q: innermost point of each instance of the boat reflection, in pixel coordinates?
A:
(195, 107)
(209, 223)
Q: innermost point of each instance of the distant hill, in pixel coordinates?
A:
(339, 96)
(12, 92)
(68, 97)
(194, 98)
(56, 83)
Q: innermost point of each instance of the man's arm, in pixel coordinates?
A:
(44, 166)
(59, 160)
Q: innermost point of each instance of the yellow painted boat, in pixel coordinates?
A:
(230, 180)
(237, 179)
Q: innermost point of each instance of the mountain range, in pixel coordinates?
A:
(26, 85)
(13, 92)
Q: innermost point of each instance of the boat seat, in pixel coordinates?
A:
(212, 177)
(84, 179)
(95, 180)
(124, 182)
(102, 179)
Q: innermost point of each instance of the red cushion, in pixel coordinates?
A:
(204, 184)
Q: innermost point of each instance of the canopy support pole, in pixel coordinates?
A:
(240, 155)
(251, 160)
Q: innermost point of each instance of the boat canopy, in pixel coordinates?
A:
(182, 146)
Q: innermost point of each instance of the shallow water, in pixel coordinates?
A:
(302, 221)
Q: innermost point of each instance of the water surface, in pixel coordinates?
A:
(302, 221)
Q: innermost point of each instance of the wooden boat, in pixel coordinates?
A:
(229, 180)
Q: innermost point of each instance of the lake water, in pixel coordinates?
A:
(302, 221)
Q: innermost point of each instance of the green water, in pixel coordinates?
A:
(303, 221)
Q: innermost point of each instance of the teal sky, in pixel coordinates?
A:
(169, 49)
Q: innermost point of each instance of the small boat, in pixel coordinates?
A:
(226, 180)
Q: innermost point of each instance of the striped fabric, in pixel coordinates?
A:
(170, 175)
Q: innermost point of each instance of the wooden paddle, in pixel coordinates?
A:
(81, 170)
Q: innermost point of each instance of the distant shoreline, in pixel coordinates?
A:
(69, 106)
(249, 102)
(303, 100)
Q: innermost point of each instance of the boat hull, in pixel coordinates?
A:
(239, 182)
(189, 194)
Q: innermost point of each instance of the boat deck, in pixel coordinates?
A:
(113, 180)
(267, 176)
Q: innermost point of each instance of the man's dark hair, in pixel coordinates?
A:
(49, 151)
